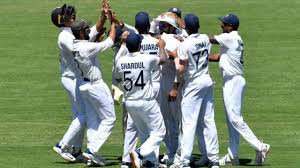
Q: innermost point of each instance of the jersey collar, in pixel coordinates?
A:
(68, 29)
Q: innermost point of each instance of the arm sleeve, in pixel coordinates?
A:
(171, 42)
(129, 28)
(223, 39)
(154, 61)
(102, 46)
(154, 27)
(116, 73)
(122, 51)
(66, 43)
(182, 52)
(93, 34)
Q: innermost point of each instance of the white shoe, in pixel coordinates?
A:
(94, 159)
(180, 165)
(64, 153)
(202, 162)
(261, 155)
(135, 160)
(227, 160)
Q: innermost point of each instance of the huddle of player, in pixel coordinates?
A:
(162, 68)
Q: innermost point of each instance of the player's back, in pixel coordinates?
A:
(135, 71)
(195, 49)
(149, 46)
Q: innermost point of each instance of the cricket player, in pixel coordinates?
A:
(63, 17)
(169, 99)
(134, 71)
(96, 94)
(232, 70)
(197, 94)
(175, 13)
(148, 46)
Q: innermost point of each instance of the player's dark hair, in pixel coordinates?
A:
(193, 31)
(134, 49)
(143, 31)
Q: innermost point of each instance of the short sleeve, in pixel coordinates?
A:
(223, 39)
(116, 72)
(102, 46)
(129, 28)
(66, 42)
(154, 27)
(171, 42)
(93, 34)
(122, 51)
(182, 52)
(154, 60)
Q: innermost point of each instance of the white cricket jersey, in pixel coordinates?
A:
(231, 52)
(149, 46)
(67, 62)
(135, 71)
(172, 44)
(85, 53)
(195, 49)
(68, 66)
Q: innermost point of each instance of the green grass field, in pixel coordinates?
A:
(35, 109)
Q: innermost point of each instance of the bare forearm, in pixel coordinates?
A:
(100, 23)
(112, 32)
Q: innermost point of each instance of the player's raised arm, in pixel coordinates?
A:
(162, 53)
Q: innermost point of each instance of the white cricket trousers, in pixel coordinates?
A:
(198, 111)
(233, 92)
(131, 135)
(149, 123)
(171, 114)
(100, 113)
(75, 134)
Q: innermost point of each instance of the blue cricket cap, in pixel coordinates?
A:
(119, 33)
(176, 11)
(191, 23)
(142, 21)
(230, 19)
(133, 42)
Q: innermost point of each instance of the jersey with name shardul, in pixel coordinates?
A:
(135, 71)
(68, 66)
(85, 53)
(231, 52)
(195, 49)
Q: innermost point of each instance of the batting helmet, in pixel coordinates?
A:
(61, 14)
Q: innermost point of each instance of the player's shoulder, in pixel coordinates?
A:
(65, 35)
